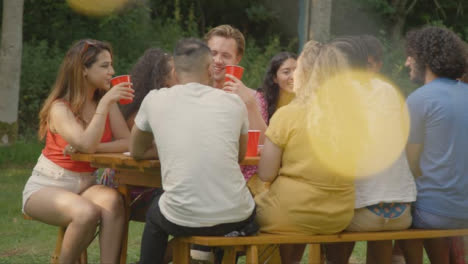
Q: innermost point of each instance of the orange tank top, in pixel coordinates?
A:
(55, 145)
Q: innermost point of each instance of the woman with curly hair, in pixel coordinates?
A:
(437, 143)
(153, 70)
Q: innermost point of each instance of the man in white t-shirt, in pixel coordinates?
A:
(200, 134)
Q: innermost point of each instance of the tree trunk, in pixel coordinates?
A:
(402, 9)
(10, 69)
(320, 20)
(397, 28)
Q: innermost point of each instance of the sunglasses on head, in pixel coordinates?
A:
(87, 44)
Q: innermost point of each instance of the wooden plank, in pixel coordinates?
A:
(117, 160)
(341, 237)
(151, 178)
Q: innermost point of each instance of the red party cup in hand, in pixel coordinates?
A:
(235, 70)
(120, 79)
(252, 143)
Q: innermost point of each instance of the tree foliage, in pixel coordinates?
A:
(50, 28)
(414, 13)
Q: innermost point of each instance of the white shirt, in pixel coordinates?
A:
(396, 182)
(196, 130)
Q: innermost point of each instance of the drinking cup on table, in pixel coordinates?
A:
(235, 70)
(252, 143)
(120, 79)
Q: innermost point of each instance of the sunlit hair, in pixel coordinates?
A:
(269, 87)
(70, 82)
(227, 31)
(316, 64)
(151, 72)
(439, 49)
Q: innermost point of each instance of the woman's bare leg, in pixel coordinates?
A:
(52, 206)
(112, 216)
(437, 250)
(339, 253)
(291, 254)
(379, 252)
(412, 250)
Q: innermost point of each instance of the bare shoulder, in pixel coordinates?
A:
(60, 110)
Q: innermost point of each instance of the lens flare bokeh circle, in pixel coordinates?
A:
(359, 124)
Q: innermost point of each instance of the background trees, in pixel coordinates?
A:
(50, 27)
(10, 68)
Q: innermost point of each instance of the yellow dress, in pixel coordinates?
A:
(254, 184)
(306, 197)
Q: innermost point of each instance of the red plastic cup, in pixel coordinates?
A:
(120, 79)
(235, 70)
(252, 143)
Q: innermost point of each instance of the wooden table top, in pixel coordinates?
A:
(115, 160)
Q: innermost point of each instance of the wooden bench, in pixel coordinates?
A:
(181, 245)
(58, 246)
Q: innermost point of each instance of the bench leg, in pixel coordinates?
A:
(180, 252)
(252, 255)
(315, 254)
(229, 255)
(58, 246)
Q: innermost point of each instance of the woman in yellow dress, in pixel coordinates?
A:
(305, 196)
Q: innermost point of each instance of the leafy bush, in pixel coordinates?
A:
(130, 34)
(39, 68)
(256, 60)
(394, 66)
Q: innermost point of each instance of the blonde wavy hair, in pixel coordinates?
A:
(317, 64)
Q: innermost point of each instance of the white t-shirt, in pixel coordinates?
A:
(395, 183)
(196, 130)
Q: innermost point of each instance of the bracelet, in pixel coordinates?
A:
(99, 113)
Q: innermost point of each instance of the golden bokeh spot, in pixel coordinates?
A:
(359, 124)
(96, 8)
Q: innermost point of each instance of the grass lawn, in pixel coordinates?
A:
(23, 241)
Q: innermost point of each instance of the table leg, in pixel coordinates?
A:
(123, 189)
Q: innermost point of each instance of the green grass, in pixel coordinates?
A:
(29, 242)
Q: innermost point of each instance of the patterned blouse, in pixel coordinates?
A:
(250, 170)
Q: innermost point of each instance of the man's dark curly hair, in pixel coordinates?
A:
(150, 72)
(439, 49)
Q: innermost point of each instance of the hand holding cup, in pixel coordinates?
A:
(126, 94)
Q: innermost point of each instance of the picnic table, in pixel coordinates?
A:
(131, 172)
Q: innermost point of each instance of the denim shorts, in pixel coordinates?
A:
(48, 174)
(365, 220)
(426, 220)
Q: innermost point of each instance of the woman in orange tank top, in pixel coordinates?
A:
(80, 114)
